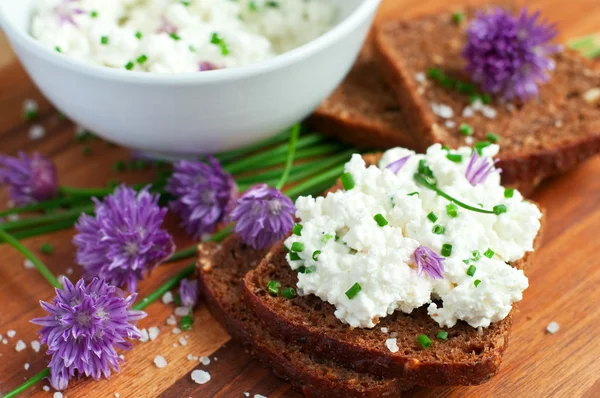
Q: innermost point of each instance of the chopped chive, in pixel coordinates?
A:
(424, 341)
(141, 59)
(486, 99)
(476, 255)
(186, 322)
(272, 4)
(509, 192)
(94, 14)
(457, 17)
(273, 287)
(58, 49)
(480, 145)
(86, 150)
(442, 335)
(499, 209)
(288, 293)
(192, 48)
(297, 229)
(104, 40)
(31, 115)
(112, 183)
(252, 6)
(177, 300)
(315, 255)
(297, 247)
(326, 238)
(435, 73)
(465, 129)
(294, 257)
(130, 65)
(438, 229)
(353, 291)
(174, 36)
(452, 210)
(489, 253)
(477, 282)
(471, 270)
(307, 270)
(446, 250)
(186, 2)
(139, 35)
(454, 157)
(347, 181)
(413, 194)
(380, 220)
(432, 217)
(493, 138)
(47, 248)
(220, 42)
(474, 98)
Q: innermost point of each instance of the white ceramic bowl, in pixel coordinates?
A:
(194, 112)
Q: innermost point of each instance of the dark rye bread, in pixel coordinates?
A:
(469, 356)
(221, 269)
(363, 110)
(538, 139)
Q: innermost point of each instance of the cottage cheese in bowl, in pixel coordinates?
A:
(174, 36)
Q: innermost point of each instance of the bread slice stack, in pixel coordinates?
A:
(538, 139)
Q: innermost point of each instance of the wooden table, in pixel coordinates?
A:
(565, 279)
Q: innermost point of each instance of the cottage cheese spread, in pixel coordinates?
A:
(178, 35)
(343, 245)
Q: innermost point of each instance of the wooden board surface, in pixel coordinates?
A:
(564, 281)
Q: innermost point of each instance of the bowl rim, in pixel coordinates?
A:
(339, 31)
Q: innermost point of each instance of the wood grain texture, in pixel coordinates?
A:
(564, 280)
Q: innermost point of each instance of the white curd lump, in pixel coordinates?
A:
(368, 271)
(171, 36)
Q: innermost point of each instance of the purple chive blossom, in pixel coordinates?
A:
(397, 165)
(264, 216)
(206, 66)
(204, 195)
(166, 26)
(66, 11)
(479, 168)
(509, 55)
(124, 240)
(31, 178)
(84, 327)
(427, 260)
(188, 292)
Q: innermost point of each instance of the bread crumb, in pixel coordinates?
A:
(384, 330)
(442, 110)
(553, 327)
(182, 311)
(394, 335)
(205, 361)
(35, 345)
(37, 132)
(57, 394)
(28, 264)
(160, 361)
(176, 330)
(167, 298)
(171, 320)
(592, 95)
(392, 345)
(200, 376)
(46, 388)
(26, 366)
(153, 332)
(11, 333)
(20, 346)
(144, 337)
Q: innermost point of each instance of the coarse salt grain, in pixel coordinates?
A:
(191, 357)
(259, 396)
(167, 298)
(442, 110)
(20, 346)
(205, 361)
(160, 361)
(175, 345)
(489, 112)
(558, 123)
(176, 330)
(171, 320)
(450, 124)
(553, 327)
(26, 366)
(182, 341)
(35, 345)
(36, 132)
(384, 330)
(182, 311)
(200, 376)
(468, 112)
(28, 264)
(30, 105)
(469, 140)
(57, 394)
(4, 341)
(69, 271)
(13, 217)
(144, 337)
(153, 332)
(592, 95)
(46, 388)
(247, 394)
(420, 77)
(392, 345)
(122, 357)
(117, 395)
(11, 333)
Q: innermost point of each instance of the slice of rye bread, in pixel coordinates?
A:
(363, 110)
(221, 268)
(469, 356)
(538, 139)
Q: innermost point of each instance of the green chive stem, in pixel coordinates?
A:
(419, 179)
(314, 184)
(49, 218)
(29, 383)
(165, 287)
(228, 156)
(290, 156)
(41, 267)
